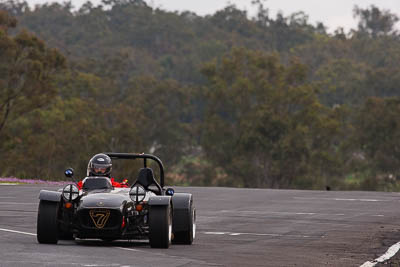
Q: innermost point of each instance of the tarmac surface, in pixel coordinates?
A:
(235, 227)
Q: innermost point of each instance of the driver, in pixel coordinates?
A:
(101, 165)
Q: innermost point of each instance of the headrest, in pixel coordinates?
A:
(146, 177)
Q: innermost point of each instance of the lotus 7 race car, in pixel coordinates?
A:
(146, 210)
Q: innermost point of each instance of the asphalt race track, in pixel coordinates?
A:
(235, 227)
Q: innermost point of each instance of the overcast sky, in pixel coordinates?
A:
(333, 13)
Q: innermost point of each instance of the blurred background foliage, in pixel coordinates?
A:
(224, 100)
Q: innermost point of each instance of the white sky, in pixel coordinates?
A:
(333, 13)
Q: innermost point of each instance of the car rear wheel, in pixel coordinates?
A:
(47, 224)
(188, 215)
(160, 226)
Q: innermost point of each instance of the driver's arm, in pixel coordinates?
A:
(80, 185)
(116, 184)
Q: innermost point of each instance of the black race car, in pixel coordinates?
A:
(146, 210)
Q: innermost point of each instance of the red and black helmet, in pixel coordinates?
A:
(99, 165)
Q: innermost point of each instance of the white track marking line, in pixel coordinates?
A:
(7, 197)
(258, 234)
(103, 265)
(264, 213)
(29, 263)
(272, 212)
(13, 215)
(215, 233)
(279, 212)
(130, 249)
(17, 232)
(359, 199)
(147, 252)
(19, 203)
(343, 199)
(389, 253)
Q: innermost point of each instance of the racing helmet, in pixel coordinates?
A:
(99, 165)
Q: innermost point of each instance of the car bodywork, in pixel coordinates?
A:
(147, 210)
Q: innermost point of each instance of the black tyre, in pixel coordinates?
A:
(188, 215)
(160, 226)
(47, 224)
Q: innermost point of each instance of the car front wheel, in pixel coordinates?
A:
(47, 224)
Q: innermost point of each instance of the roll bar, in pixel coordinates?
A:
(140, 156)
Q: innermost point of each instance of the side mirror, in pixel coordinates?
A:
(69, 172)
(170, 192)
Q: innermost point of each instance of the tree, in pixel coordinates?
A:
(375, 22)
(377, 131)
(264, 125)
(342, 82)
(6, 21)
(163, 111)
(14, 7)
(27, 71)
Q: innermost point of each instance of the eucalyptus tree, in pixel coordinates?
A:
(27, 71)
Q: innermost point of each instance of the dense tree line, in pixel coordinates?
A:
(224, 99)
